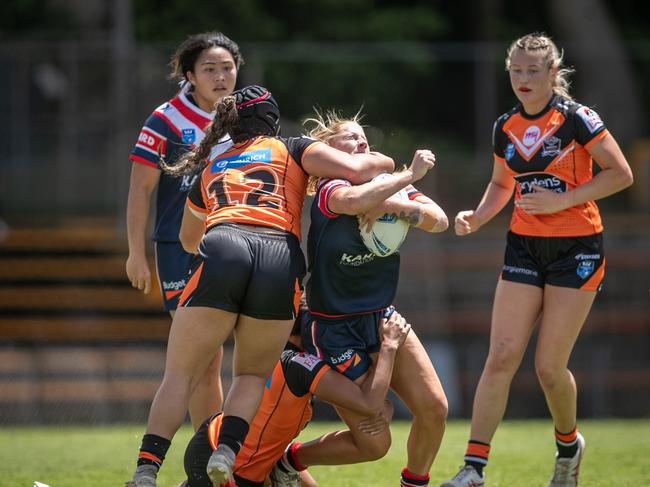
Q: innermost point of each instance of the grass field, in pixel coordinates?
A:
(618, 453)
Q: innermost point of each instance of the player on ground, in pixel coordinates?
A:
(554, 259)
(286, 409)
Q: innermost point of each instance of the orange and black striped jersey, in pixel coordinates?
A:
(284, 411)
(260, 182)
(550, 149)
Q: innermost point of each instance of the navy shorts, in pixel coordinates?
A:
(573, 262)
(172, 267)
(245, 271)
(345, 343)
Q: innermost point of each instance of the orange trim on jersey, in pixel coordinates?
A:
(309, 148)
(319, 375)
(149, 456)
(191, 285)
(598, 138)
(198, 209)
(594, 281)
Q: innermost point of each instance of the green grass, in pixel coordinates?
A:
(618, 453)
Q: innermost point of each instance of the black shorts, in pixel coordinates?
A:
(196, 458)
(345, 343)
(573, 262)
(242, 270)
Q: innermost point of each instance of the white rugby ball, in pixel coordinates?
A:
(388, 232)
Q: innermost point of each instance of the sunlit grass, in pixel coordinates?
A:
(522, 455)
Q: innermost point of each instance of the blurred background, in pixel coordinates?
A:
(79, 77)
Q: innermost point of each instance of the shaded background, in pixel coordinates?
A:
(79, 77)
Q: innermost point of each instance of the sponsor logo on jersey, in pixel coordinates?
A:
(544, 180)
(531, 136)
(306, 360)
(591, 119)
(551, 147)
(344, 357)
(188, 136)
(510, 151)
(356, 260)
(256, 156)
(585, 268)
(187, 182)
(519, 270)
(587, 256)
(174, 285)
(148, 140)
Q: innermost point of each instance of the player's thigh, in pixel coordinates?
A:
(515, 311)
(258, 344)
(415, 379)
(565, 311)
(195, 337)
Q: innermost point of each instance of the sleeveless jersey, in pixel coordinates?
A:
(284, 411)
(261, 182)
(345, 277)
(170, 131)
(550, 150)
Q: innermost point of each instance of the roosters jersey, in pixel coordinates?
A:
(174, 128)
(550, 150)
(261, 182)
(284, 411)
(345, 277)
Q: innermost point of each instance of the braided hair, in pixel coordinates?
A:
(245, 114)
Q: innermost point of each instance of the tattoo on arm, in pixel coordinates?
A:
(412, 217)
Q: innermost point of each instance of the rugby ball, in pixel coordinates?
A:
(388, 232)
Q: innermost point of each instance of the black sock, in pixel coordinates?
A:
(233, 432)
(567, 443)
(153, 450)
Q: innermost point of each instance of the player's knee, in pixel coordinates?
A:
(376, 449)
(432, 409)
(503, 361)
(548, 374)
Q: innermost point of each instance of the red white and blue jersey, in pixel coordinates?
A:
(345, 277)
(174, 128)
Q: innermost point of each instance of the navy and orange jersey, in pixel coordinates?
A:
(174, 128)
(284, 411)
(261, 182)
(550, 149)
(345, 277)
